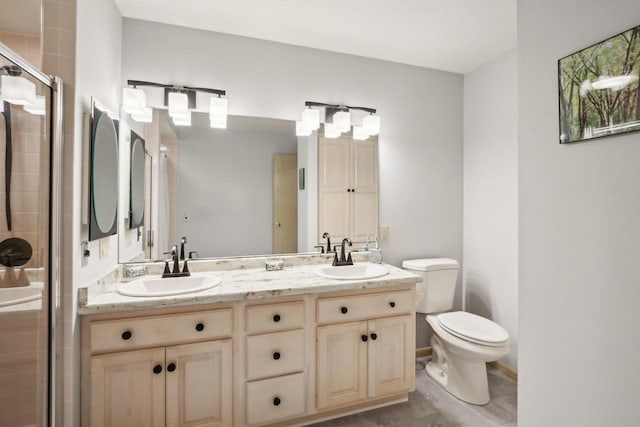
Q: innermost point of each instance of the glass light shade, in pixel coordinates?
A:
(179, 121)
(359, 133)
(371, 124)
(146, 116)
(331, 131)
(179, 105)
(342, 121)
(18, 90)
(134, 101)
(311, 118)
(219, 122)
(38, 108)
(302, 129)
(217, 108)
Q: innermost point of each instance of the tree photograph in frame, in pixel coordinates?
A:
(599, 89)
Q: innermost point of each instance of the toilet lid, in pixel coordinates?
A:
(473, 328)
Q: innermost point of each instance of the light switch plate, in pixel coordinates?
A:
(384, 232)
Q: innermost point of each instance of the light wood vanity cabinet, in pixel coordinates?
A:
(279, 361)
(173, 385)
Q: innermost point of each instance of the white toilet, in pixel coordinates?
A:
(462, 343)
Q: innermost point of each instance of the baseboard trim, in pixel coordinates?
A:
(500, 366)
(505, 369)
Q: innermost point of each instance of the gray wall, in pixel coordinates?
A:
(225, 183)
(579, 228)
(421, 109)
(490, 276)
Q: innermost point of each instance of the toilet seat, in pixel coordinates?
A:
(473, 328)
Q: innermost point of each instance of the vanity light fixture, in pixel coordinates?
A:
(341, 120)
(38, 108)
(17, 90)
(180, 101)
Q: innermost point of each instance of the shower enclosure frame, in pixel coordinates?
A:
(54, 410)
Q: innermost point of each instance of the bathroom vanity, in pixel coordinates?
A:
(261, 348)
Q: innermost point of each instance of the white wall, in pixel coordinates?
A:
(97, 71)
(490, 274)
(421, 109)
(227, 175)
(579, 227)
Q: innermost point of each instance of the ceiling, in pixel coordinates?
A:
(21, 16)
(451, 35)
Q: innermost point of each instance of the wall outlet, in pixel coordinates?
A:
(384, 233)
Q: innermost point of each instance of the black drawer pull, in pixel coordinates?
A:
(200, 327)
(364, 338)
(276, 318)
(344, 310)
(276, 356)
(276, 401)
(171, 367)
(374, 336)
(157, 369)
(126, 335)
(392, 304)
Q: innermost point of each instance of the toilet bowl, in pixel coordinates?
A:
(462, 343)
(461, 346)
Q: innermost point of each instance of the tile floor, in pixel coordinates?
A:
(431, 406)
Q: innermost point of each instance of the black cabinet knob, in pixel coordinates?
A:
(348, 190)
(171, 367)
(126, 335)
(374, 336)
(276, 318)
(276, 355)
(392, 304)
(364, 338)
(353, 190)
(157, 369)
(200, 327)
(276, 401)
(344, 310)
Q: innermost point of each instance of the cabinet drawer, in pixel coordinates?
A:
(126, 334)
(360, 307)
(274, 354)
(275, 399)
(275, 317)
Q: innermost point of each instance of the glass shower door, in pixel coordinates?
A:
(25, 242)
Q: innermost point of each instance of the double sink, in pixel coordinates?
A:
(197, 282)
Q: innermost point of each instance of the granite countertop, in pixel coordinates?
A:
(237, 285)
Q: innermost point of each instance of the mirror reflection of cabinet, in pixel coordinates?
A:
(347, 188)
(103, 184)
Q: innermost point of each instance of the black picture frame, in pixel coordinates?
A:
(599, 89)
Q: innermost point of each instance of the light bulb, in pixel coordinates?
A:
(178, 105)
(38, 108)
(145, 117)
(134, 101)
(179, 121)
(359, 133)
(331, 131)
(311, 118)
(342, 120)
(371, 124)
(302, 129)
(17, 90)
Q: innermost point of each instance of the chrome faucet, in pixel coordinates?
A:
(176, 265)
(343, 259)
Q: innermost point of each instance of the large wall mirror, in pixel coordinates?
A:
(232, 192)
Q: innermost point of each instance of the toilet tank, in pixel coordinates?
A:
(436, 291)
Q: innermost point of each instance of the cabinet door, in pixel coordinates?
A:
(127, 389)
(199, 384)
(364, 196)
(341, 364)
(391, 355)
(333, 182)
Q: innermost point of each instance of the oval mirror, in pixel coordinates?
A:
(104, 176)
(137, 196)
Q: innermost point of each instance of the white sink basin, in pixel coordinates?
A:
(14, 296)
(158, 287)
(352, 272)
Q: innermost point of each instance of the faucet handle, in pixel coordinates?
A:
(321, 247)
